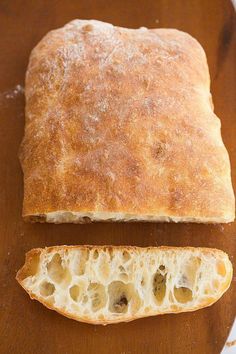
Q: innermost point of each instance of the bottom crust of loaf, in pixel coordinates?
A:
(59, 217)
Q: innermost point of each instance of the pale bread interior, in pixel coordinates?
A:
(112, 284)
(59, 217)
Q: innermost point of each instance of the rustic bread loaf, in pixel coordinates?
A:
(120, 127)
(109, 284)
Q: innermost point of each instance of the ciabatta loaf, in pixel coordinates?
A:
(109, 284)
(119, 126)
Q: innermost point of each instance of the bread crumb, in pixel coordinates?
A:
(13, 92)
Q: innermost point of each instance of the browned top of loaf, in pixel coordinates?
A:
(121, 120)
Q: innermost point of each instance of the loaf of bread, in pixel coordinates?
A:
(110, 284)
(119, 126)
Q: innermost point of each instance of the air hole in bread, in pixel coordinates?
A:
(75, 292)
(183, 294)
(126, 256)
(97, 295)
(221, 268)
(80, 263)
(121, 304)
(118, 297)
(121, 296)
(159, 286)
(56, 271)
(110, 252)
(86, 220)
(95, 254)
(190, 271)
(32, 266)
(121, 269)
(46, 289)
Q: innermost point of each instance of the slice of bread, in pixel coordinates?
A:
(110, 284)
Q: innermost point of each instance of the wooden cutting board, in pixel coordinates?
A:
(26, 326)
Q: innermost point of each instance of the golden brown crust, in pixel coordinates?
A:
(121, 121)
(21, 274)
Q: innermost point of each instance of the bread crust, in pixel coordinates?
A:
(120, 126)
(207, 251)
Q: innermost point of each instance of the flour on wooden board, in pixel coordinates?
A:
(12, 93)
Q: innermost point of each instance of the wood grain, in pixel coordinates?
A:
(26, 326)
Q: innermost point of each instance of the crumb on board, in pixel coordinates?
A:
(13, 92)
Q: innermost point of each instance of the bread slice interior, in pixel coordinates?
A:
(109, 284)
